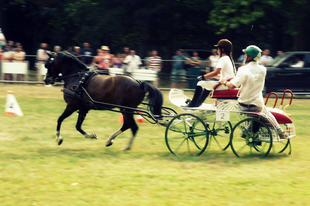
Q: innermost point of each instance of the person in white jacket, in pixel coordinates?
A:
(251, 80)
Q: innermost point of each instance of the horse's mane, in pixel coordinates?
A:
(69, 60)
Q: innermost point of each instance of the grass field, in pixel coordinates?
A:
(35, 171)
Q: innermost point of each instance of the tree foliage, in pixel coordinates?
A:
(163, 25)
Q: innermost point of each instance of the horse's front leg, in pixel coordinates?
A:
(82, 115)
(68, 111)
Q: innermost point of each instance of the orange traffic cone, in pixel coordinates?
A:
(121, 119)
(140, 119)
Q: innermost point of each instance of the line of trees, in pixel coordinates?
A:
(162, 25)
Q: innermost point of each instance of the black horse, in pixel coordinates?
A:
(81, 86)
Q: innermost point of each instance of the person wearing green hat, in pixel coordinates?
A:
(225, 68)
(251, 80)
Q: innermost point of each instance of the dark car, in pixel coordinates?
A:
(281, 75)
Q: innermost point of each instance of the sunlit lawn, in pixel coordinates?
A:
(35, 171)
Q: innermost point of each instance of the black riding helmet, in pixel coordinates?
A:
(226, 45)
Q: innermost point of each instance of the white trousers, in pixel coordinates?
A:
(208, 85)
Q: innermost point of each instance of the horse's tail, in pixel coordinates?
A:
(155, 98)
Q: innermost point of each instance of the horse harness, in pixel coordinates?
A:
(78, 89)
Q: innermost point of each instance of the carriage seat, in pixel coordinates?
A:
(224, 94)
(281, 116)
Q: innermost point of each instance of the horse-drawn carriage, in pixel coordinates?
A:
(188, 132)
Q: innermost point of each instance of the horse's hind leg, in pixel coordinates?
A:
(118, 132)
(133, 126)
(68, 111)
(82, 115)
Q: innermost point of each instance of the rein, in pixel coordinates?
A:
(71, 75)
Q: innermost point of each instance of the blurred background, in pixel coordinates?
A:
(196, 25)
(162, 25)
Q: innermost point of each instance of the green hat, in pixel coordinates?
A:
(253, 51)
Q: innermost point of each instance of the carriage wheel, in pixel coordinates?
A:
(220, 132)
(251, 137)
(186, 134)
(282, 145)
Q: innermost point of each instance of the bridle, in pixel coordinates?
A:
(48, 65)
(51, 80)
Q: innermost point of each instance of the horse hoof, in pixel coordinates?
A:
(91, 136)
(126, 149)
(60, 141)
(109, 144)
(94, 136)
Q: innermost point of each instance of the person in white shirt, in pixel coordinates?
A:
(251, 79)
(214, 58)
(225, 68)
(41, 53)
(19, 56)
(133, 61)
(299, 63)
(265, 59)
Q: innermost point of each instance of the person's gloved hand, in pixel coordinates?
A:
(200, 78)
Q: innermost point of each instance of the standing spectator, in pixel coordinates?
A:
(87, 53)
(265, 59)
(103, 60)
(118, 61)
(70, 50)
(146, 59)
(213, 59)
(279, 53)
(7, 57)
(77, 51)
(11, 45)
(178, 73)
(154, 63)
(19, 56)
(17, 44)
(7, 54)
(41, 53)
(126, 52)
(194, 69)
(124, 55)
(57, 48)
(108, 58)
(133, 62)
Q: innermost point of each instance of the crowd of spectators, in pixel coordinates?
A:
(182, 67)
(12, 52)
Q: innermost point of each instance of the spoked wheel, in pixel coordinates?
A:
(220, 133)
(251, 137)
(281, 146)
(186, 134)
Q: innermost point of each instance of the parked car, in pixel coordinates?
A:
(281, 75)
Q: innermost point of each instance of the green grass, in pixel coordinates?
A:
(35, 171)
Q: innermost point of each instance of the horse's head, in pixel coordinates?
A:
(52, 69)
(64, 63)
